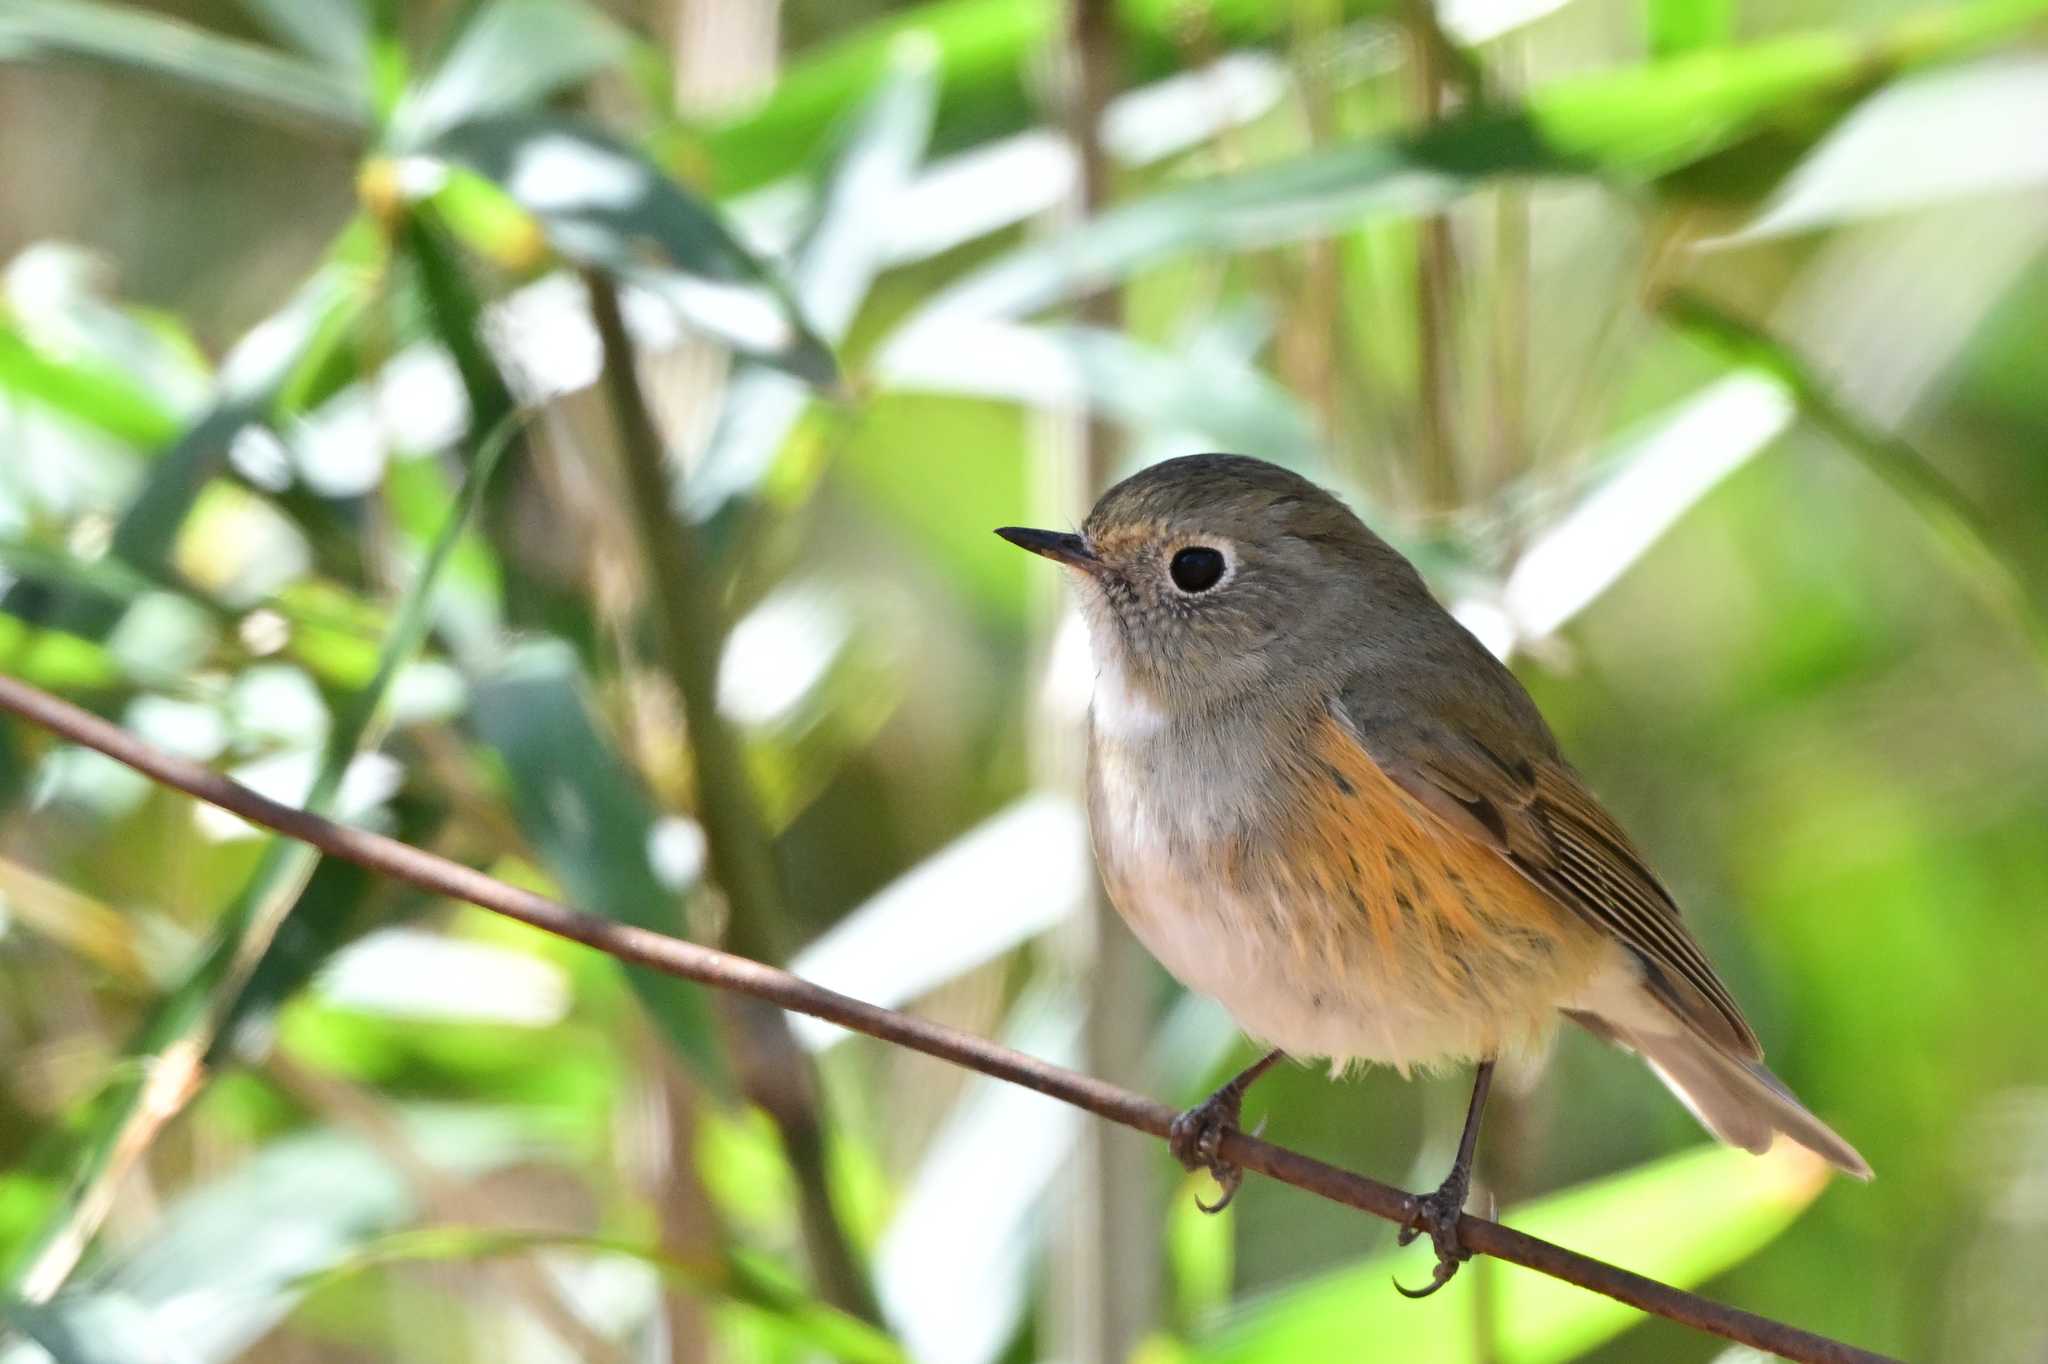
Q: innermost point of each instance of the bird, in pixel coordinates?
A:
(1316, 798)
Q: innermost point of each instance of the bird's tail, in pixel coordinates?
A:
(1737, 1100)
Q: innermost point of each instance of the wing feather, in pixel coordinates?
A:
(1537, 814)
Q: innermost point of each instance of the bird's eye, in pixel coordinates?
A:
(1196, 569)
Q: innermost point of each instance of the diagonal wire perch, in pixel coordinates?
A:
(723, 971)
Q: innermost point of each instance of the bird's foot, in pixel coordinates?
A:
(1196, 1135)
(1438, 1215)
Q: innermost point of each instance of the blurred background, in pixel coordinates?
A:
(566, 436)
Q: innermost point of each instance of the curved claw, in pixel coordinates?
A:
(1437, 1279)
(1195, 1138)
(1228, 1178)
(1438, 1215)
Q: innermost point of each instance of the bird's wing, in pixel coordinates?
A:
(1537, 813)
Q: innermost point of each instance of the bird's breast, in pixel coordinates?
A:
(1286, 876)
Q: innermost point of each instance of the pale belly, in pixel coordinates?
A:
(1342, 1006)
(1353, 945)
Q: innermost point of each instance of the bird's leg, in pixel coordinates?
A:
(1438, 1213)
(1195, 1135)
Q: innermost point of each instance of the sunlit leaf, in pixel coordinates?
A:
(1989, 567)
(842, 251)
(510, 55)
(225, 1262)
(104, 398)
(998, 184)
(953, 1270)
(808, 677)
(1684, 25)
(607, 206)
(1024, 867)
(1203, 399)
(1941, 136)
(333, 31)
(252, 376)
(100, 1328)
(1653, 476)
(739, 1280)
(130, 39)
(196, 1017)
(1632, 125)
(986, 51)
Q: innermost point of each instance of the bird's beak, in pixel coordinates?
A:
(1061, 548)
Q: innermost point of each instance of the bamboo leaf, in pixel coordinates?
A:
(336, 32)
(256, 371)
(739, 1280)
(607, 206)
(228, 1260)
(841, 253)
(1955, 521)
(1635, 125)
(126, 39)
(985, 51)
(1686, 25)
(104, 1328)
(189, 1024)
(509, 56)
(1935, 138)
(103, 398)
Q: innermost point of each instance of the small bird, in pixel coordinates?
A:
(1316, 798)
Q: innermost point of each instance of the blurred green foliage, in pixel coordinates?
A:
(1735, 310)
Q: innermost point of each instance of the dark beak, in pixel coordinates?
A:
(1065, 549)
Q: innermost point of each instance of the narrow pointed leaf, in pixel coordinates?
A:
(606, 205)
(127, 39)
(836, 264)
(510, 56)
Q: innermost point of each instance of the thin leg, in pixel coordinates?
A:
(1197, 1133)
(1438, 1213)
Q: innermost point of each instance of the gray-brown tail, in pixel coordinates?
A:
(1739, 1101)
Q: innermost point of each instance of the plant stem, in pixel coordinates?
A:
(774, 1070)
(1435, 67)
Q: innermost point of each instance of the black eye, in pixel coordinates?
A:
(1197, 569)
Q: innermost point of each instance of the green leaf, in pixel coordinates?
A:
(841, 252)
(593, 827)
(255, 373)
(1285, 201)
(225, 1262)
(607, 206)
(1685, 25)
(1680, 1220)
(105, 399)
(1991, 569)
(737, 1279)
(1652, 475)
(1027, 864)
(101, 1328)
(1197, 396)
(334, 31)
(191, 1019)
(1877, 162)
(127, 39)
(1633, 125)
(986, 53)
(510, 56)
